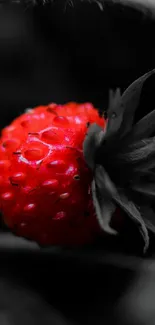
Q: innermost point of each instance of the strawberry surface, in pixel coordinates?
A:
(44, 181)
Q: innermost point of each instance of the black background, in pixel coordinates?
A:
(53, 53)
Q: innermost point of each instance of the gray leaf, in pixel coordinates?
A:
(130, 100)
(104, 211)
(114, 114)
(121, 110)
(143, 129)
(146, 188)
(130, 208)
(149, 217)
(140, 153)
(91, 143)
(104, 183)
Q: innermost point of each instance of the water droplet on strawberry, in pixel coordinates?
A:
(23, 224)
(7, 196)
(30, 207)
(9, 129)
(18, 178)
(11, 144)
(27, 189)
(34, 154)
(88, 106)
(59, 165)
(52, 194)
(52, 109)
(33, 134)
(64, 196)
(60, 121)
(59, 215)
(51, 184)
(52, 105)
(50, 136)
(25, 123)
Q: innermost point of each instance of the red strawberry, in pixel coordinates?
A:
(44, 181)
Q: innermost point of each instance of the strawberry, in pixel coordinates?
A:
(44, 180)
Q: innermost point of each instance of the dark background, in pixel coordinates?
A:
(58, 53)
(53, 53)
